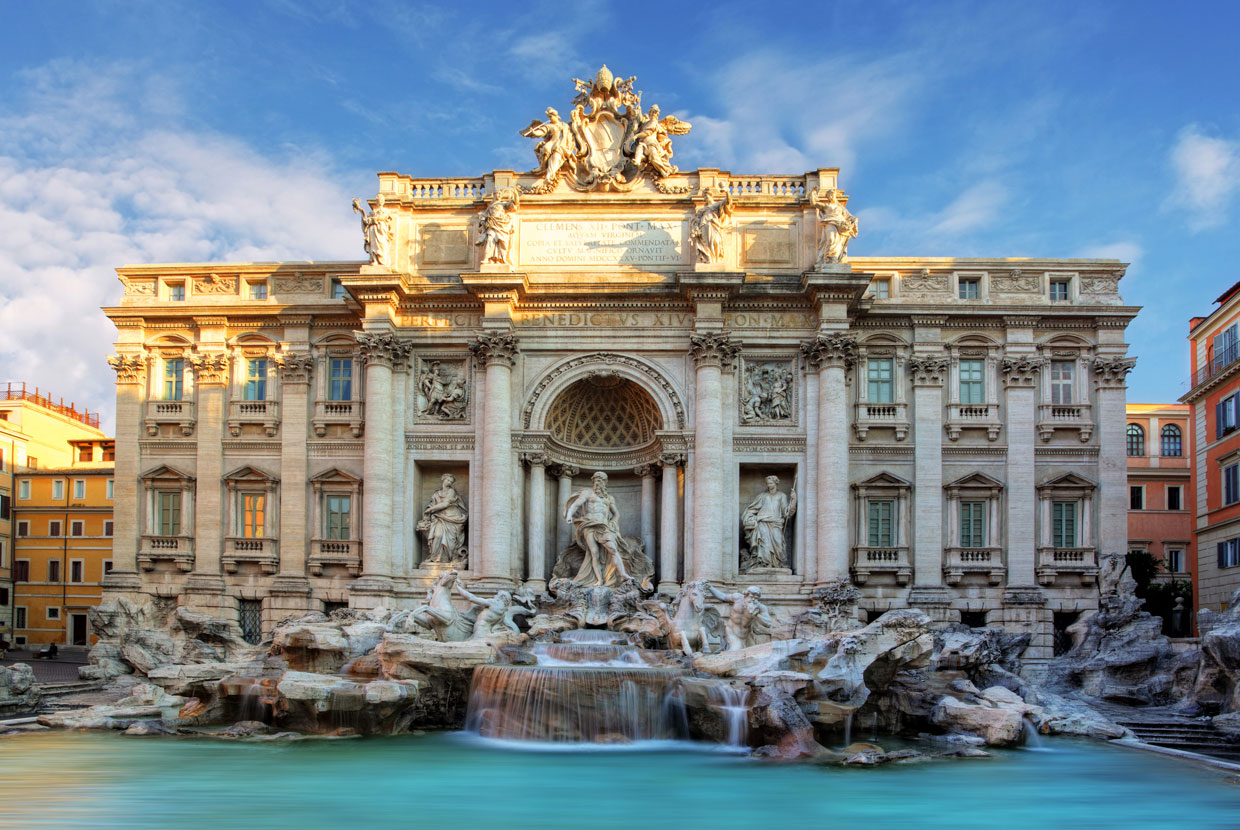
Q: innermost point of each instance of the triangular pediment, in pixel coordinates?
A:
(884, 479)
(335, 474)
(163, 471)
(248, 473)
(974, 480)
(1068, 480)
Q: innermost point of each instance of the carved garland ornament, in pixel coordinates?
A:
(295, 367)
(607, 359)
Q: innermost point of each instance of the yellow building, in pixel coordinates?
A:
(37, 435)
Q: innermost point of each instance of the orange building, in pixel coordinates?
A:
(1215, 485)
(1160, 521)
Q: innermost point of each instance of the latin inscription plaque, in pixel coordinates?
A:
(641, 243)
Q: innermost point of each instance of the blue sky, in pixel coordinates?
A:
(187, 131)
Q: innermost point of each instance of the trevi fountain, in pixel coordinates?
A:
(793, 629)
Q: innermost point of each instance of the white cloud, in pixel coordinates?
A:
(81, 196)
(1207, 170)
(976, 209)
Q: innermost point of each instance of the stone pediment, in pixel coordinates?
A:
(335, 474)
(165, 472)
(975, 481)
(883, 480)
(249, 473)
(1067, 481)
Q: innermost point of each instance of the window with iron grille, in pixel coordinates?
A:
(251, 620)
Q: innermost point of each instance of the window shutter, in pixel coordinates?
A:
(1222, 553)
(1218, 419)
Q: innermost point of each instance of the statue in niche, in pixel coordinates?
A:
(764, 521)
(747, 619)
(600, 555)
(558, 146)
(495, 227)
(439, 395)
(706, 229)
(495, 615)
(768, 393)
(378, 230)
(837, 226)
(443, 523)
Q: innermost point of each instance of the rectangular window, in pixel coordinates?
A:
(1061, 382)
(882, 289)
(252, 514)
(970, 289)
(1063, 524)
(19, 617)
(1174, 560)
(54, 528)
(6, 508)
(256, 379)
(340, 379)
(77, 527)
(174, 379)
(53, 570)
(258, 290)
(53, 613)
(1229, 553)
(1, 459)
(168, 514)
(107, 489)
(879, 373)
(881, 530)
(1231, 484)
(23, 490)
(21, 570)
(338, 292)
(1226, 415)
(1175, 497)
(2, 559)
(77, 569)
(251, 620)
(109, 453)
(58, 488)
(23, 528)
(79, 488)
(1226, 344)
(4, 597)
(107, 566)
(339, 509)
(86, 454)
(1059, 291)
(972, 524)
(176, 292)
(1136, 498)
(108, 526)
(972, 381)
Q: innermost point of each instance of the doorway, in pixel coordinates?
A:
(77, 629)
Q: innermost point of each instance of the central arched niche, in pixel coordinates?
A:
(604, 412)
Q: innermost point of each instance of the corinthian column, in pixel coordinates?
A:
(130, 386)
(833, 354)
(928, 374)
(206, 583)
(380, 353)
(1020, 375)
(669, 527)
(710, 351)
(536, 524)
(563, 533)
(291, 585)
(646, 473)
(497, 351)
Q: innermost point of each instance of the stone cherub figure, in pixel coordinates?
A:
(558, 147)
(378, 230)
(747, 618)
(495, 227)
(764, 521)
(443, 523)
(708, 224)
(837, 227)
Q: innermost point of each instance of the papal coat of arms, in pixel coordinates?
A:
(608, 142)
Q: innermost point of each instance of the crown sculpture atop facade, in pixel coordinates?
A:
(612, 146)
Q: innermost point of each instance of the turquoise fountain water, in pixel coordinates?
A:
(106, 780)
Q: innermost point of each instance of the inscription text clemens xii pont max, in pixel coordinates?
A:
(589, 242)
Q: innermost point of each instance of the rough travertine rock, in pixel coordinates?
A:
(405, 656)
(18, 693)
(998, 726)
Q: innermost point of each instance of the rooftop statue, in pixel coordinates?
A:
(612, 145)
(378, 230)
(837, 225)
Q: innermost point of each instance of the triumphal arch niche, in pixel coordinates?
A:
(763, 409)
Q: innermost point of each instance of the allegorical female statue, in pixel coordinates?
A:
(443, 523)
(495, 227)
(707, 227)
(838, 227)
(378, 228)
(764, 520)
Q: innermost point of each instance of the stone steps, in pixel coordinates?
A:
(1188, 736)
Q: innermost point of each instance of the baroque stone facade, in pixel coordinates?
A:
(951, 428)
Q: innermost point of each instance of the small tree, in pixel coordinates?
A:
(1160, 597)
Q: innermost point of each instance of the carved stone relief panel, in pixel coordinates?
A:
(769, 245)
(444, 246)
(442, 388)
(767, 391)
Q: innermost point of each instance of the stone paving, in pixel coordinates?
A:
(64, 669)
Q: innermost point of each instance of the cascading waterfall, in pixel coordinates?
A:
(731, 702)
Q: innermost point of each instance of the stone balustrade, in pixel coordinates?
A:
(238, 551)
(988, 561)
(962, 416)
(1080, 562)
(180, 413)
(178, 550)
(339, 553)
(265, 413)
(1070, 417)
(351, 413)
(894, 560)
(869, 415)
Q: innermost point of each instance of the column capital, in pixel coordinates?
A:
(712, 349)
(834, 349)
(1020, 371)
(210, 368)
(130, 368)
(495, 348)
(1112, 373)
(568, 471)
(644, 470)
(383, 349)
(671, 459)
(295, 367)
(928, 370)
(535, 459)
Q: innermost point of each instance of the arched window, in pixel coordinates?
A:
(1172, 443)
(1136, 440)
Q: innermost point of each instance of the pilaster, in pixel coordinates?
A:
(928, 373)
(1020, 376)
(497, 350)
(205, 586)
(1110, 381)
(833, 354)
(297, 370)
(130, 400)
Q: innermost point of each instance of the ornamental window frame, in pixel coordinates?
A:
(1074, 489)
(869, 414)
(326, 552)
(166, 479)
(883, 487)
(1134, 440)
(1055, 352)
(250, 483)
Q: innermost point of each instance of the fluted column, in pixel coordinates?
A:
(380, 352)
(1020, 376)
(497, 351)
(535, 523)
(563, 532)
(646, 473)
(669, 526)
(710, 351)
(928, 374)
(296, 371)
(833, 354)
(127, 533)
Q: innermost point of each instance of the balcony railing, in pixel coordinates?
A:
(176, 549)
(263, 552)
(1079, 562)
(1221, 361)
(180, 413)
(869, 560)
(265, 413)
(962, 416)
(19, 392)
(342, 553)
(1065, 416)
(870, 415)
(339, 412)
(977, 560)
